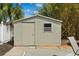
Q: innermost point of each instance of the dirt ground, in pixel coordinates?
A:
(8, 46)
(5, 48)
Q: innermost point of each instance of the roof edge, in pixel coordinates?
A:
(37, 15)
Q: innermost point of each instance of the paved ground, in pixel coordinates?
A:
(40, 51)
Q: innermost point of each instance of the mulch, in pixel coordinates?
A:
(5, 48)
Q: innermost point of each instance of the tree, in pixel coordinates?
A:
(68, 13)
(9, 12)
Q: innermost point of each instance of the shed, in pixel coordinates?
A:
(37, 30)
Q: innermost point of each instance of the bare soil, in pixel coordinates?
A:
(5, 48)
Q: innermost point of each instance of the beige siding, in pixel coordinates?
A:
(48, 38)
(40, 37)
(17, 34)
(28, 33)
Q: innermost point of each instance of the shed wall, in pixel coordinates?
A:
(41, 37)
(47, 38)
(18, 34)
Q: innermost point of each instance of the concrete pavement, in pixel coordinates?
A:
(40, 51)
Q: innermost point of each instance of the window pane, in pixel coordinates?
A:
(47, 27)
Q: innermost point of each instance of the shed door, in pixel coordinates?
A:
(28, 34)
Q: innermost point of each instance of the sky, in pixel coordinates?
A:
(30, 9)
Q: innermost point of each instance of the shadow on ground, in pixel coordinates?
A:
(6, 47)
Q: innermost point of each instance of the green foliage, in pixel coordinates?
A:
(68, 13)
(7, 11)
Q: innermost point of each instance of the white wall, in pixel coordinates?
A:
(4, 33)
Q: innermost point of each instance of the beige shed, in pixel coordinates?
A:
(37, 30)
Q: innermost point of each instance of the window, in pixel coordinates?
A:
(47, 27)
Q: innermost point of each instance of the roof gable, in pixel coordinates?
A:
(36, 16)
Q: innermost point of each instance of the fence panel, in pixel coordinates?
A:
(4, 33)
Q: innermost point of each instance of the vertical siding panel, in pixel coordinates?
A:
(18, 34)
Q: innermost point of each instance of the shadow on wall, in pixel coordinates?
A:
(11, 42)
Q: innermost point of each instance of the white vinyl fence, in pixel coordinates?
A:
(4, 33)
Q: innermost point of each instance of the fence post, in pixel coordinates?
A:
(2, 29)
